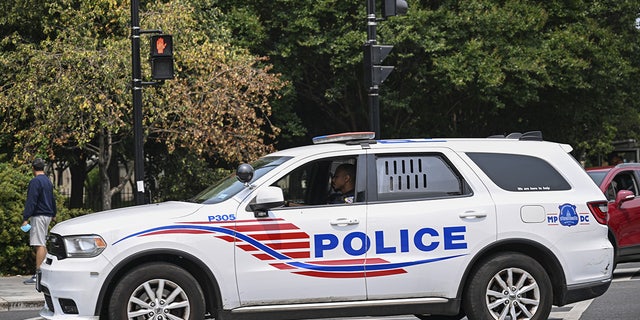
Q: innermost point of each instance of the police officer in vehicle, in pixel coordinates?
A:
(343, 182)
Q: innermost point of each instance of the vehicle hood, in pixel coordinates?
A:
(104, 221)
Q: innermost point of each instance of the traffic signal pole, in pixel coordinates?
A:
(373, 96)
(164, 68)
(136, 90)
(374, 54)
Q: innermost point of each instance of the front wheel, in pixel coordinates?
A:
(509, 286)
(157, 291)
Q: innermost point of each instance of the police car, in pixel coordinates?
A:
(494, 228)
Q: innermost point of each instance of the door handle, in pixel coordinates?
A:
(344, 221)
(472, 214)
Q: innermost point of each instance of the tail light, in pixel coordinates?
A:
(600, 210)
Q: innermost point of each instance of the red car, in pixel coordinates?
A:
(621, 186)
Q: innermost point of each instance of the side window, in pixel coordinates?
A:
(416, 176)
(622, 181)
(311, 183)
(515, 172)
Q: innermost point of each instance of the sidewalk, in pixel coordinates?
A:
(14, 295)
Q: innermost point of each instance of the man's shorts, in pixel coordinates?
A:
(39, 230)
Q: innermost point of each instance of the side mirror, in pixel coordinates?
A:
(267, 198)
(244, 173)
(623, 196)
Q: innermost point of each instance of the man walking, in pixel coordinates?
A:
(40, 209)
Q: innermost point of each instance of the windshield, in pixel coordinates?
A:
(230, 186)
(597, 176)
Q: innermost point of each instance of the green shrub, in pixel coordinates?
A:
(16, 256)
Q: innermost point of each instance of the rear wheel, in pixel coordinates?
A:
(157, 291)
(509, 286)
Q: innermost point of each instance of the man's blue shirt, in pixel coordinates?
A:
(40, 201)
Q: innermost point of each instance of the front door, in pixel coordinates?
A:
(310, 251)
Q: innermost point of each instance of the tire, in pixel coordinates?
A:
(135, 297)
(508, 286)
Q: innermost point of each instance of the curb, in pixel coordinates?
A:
(23, 304)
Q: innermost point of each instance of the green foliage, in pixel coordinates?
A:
(70, 94)
(15, 253)
(16, 256)
(462, 68)
(181, 175)
(71, 90)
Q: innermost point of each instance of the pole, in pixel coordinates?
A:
(373, 96)
(136, 89)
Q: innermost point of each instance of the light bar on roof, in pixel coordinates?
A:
(342, 137)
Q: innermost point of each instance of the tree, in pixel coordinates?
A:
(463, 68)
(493, 67)
(316, 46)
(72, 89)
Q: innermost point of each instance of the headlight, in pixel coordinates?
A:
(86, 246)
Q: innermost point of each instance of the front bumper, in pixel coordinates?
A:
(71, 287)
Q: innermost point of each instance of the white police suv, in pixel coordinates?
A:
(495, 228)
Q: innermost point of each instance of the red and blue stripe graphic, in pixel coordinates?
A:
(285, 247)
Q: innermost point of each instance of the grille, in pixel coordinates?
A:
(55, 246)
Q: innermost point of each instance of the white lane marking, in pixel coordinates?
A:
(577, 309)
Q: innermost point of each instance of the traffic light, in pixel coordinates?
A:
(394, 8)
(162, 57)
(374, 73)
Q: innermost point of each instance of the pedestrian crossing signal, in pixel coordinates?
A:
(161, 57)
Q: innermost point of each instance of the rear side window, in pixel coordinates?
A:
(401, 177)
(597, 176)
(515, 172)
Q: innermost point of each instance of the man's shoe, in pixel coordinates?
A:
(31, 280)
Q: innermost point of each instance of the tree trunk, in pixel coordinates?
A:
(78, 170)
(103, 162)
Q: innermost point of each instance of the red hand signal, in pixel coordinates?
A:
(160, 45)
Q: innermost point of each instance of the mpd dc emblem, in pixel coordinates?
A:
(568, 216)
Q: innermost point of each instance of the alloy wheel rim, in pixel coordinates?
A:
(158, 299)
(512, 294)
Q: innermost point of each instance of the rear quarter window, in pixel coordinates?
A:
(521, 173)
(597, 176)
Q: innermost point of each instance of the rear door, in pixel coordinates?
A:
(428, 213)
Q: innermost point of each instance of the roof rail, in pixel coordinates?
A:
(527, 136)
(532, 136)
(345, 137)
(627, 164)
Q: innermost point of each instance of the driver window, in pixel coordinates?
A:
(623, 181)
(311, 183)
